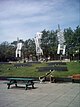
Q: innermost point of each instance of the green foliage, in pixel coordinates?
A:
(28, 48)
(72, 39)
(6, 51)
(49, 43)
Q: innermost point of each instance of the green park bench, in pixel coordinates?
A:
(26, 81)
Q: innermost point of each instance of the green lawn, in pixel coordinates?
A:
(10, 70)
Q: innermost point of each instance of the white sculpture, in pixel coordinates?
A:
(38, 37)
(18, 49)
(61, 40)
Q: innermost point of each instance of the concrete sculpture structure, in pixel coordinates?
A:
(38, 37)
(61, 41)
(18, 49)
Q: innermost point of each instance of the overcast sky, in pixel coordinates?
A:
(24, 18)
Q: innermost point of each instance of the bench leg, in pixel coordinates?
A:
(26, 87)
(8, 86)
(72, 80)
(16, 84)
(33, 85)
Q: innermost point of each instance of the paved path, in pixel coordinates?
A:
(44, 95)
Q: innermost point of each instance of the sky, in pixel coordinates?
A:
(24, 18)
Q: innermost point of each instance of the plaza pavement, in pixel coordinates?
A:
(44, 95)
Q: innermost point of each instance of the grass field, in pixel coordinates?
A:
(12, 71)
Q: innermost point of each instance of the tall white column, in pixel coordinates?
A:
(61, 41)
(18, 49)
(38, 37)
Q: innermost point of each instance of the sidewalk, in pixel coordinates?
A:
(44, 95)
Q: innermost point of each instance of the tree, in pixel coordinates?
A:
(68, 33)
(29, 48)
(49, 43)
(77, 41)
(6, 52)
(72, 41)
